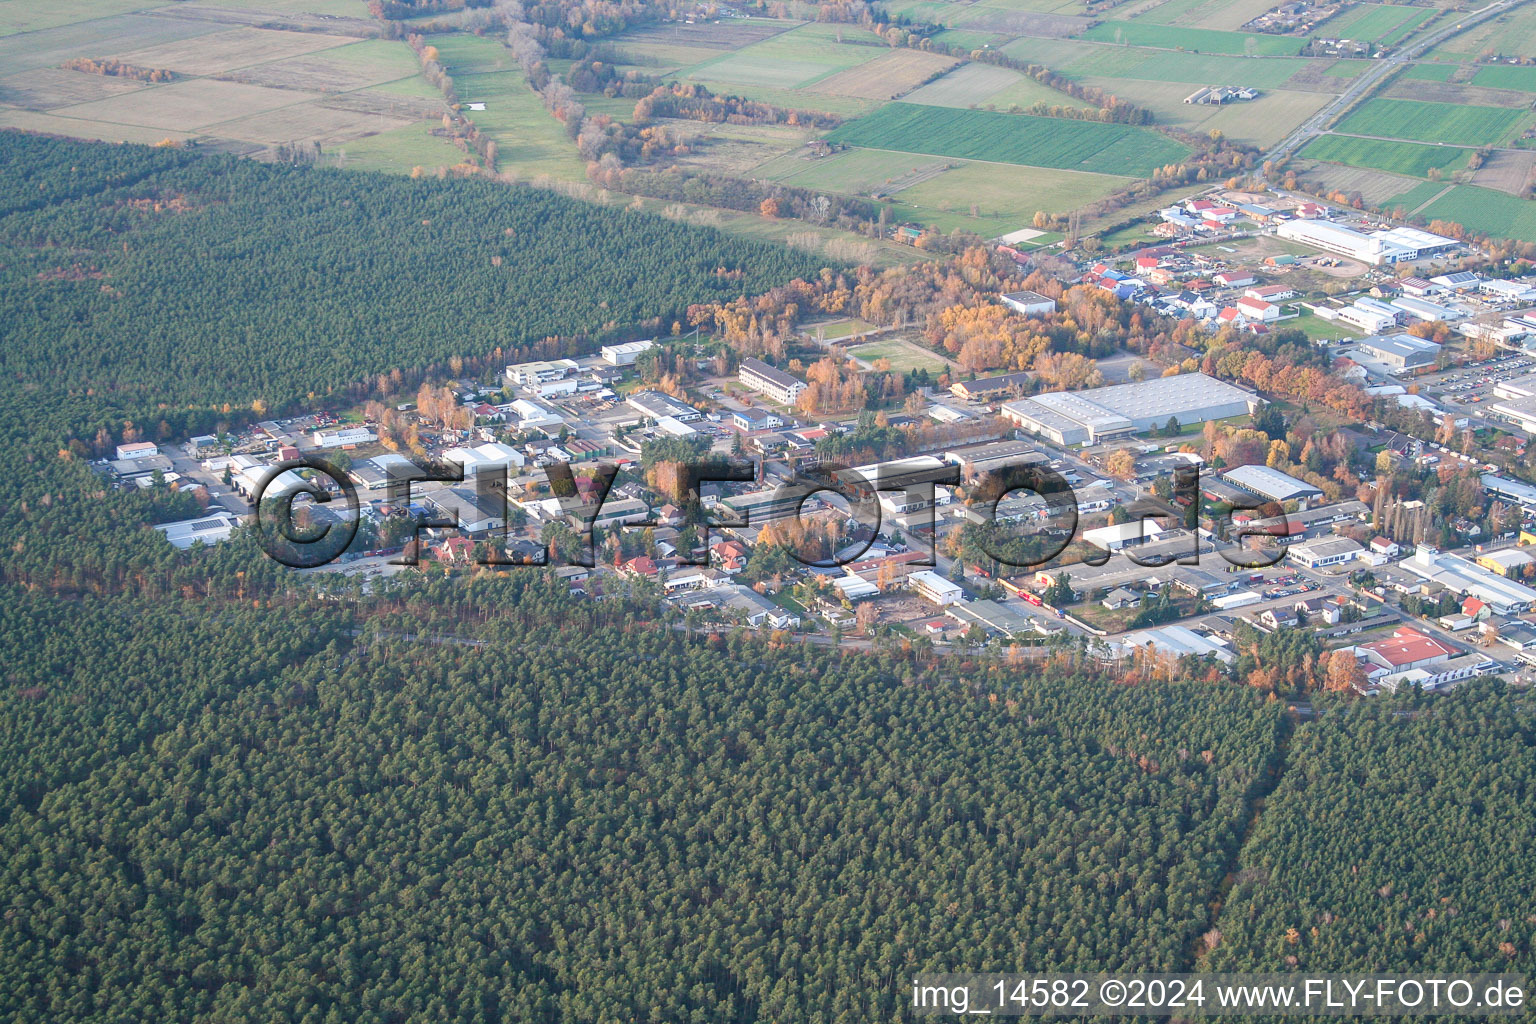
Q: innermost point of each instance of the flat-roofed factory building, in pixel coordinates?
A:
(1121, 410)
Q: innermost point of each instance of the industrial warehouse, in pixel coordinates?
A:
(1377, 248)
(1120, 410)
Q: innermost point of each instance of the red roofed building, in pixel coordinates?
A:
(1146, 264)
(454, 549)
(730, 555)
(1229, 315)
(1475, 609)
(643, 566)
(1405, 649)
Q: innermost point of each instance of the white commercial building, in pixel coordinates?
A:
(770, 381)
(1082, 417)
(1270, 483)
(343, 437)
(1178, 642)
(932, 587)
(1401, 351)
(1371, 321)
(1461, 576)
(1376, 248)
(540, 371)
(1028, 303)
(627, 353)
(1325, 551)
(204, 530)
(491, 455)
(1123, 535)
(137, 450)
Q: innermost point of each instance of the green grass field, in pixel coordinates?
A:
(1370, 22)
(1171, 66)
(1012, 138)
(1460, 125)
(1140, 33)
(797, 58)
(1430, 72)
(903, 356)
(1494, 213)
(398, 151)
(1003, 197)
(1505, 76)
(1399, 157)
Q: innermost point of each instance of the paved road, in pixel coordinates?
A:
(1318, 123)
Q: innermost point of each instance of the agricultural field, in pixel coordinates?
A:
(1003, 198)
(1511, 33)
(989, 87)
(989, 199)
(1432, 122)
(239, 87)
(1479, 209)
(1262, 121)
(1375, 187)
(888, 75)
(1143, 33)
(1383, 23)
(799, 58)
(1431, 72)
(1409, 158)
(1012, 138)
(530, 143)
(1194, 68)
(1224, 15)
(1505, 76)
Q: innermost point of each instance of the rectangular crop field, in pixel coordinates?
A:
(1228, 15)
(1487, 211)
(32, 15)
(1399, 157)
(1194, 68)
(1013, 138)
(188, 105)
(1168, 37)
(1002, 198)
(1370, 22)
(966, 86)
(98, 38)
(1432, 122)
(1504, 76)
(889, 74)
(225, 51)
(1430, 72)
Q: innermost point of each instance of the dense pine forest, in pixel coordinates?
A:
(150, 279)
(1398, 840)
(481, 799)
(627, 824)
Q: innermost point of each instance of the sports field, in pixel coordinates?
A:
(1012, 138)
(1399, 157)
(904, 356)
(1432, 122)
(1141, 33)
(1504, 76)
